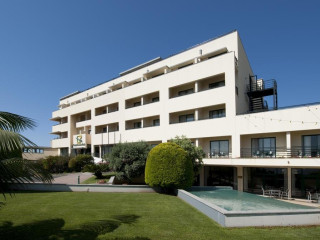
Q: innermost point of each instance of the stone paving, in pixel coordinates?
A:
(71, 178)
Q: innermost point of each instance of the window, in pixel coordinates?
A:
(137, 125)
(263, 147)
(155, 99)
(104, 130)
(311, 145)
(156, 122)
(136, 104)
(186, 118)
(219, 148)
(185, 92)
(237, 91)
(217, 113)
(217, 84)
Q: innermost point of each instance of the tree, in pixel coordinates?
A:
(169, 167)
(194, 153)
(78, 162)
(128, 160)
(14, 169)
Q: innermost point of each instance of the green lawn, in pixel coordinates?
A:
(93, 179)
(126, 216)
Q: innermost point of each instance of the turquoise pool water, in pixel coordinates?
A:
(232, 200)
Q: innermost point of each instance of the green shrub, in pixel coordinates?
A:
(128, 160)
(168, 167)
(96, 169)
(55, 164)
(194, 153)
(78, 162)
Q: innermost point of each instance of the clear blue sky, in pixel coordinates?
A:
(49, 49)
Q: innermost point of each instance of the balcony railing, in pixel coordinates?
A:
(260, 85)
(281, 152)
(218, 155)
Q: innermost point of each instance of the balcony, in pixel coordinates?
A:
(281, 152)
(60, 143)
(60, 128)
(213, 155)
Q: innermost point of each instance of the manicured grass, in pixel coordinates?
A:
(93, 179)
(75, 215)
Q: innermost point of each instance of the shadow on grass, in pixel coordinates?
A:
(52, 229)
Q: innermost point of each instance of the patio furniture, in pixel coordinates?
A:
(285, 193)
(265, 192)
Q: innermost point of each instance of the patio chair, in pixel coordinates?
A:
(265, 192)
(284, 193)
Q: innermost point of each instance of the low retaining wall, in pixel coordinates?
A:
(252, 218)
(82, 188)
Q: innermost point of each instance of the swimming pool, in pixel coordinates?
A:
(231, 208)
(232, 200)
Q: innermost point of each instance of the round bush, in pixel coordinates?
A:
(168, 167)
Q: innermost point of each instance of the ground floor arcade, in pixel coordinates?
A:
(299, 181)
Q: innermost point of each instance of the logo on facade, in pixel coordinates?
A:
(79, 141)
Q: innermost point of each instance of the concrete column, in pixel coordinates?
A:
(141, 123)
(197, 142)
(235, 143)
(107, 128)
(202, 176)
(107, 109)
(196, 89)
(240, 178)
(289, 182)
(195, 60)
(100, 151)
(123, 85)
(142, 100)
(196, 115)
(288, 145)
(142, 79)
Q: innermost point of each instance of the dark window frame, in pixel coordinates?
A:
(220, 113)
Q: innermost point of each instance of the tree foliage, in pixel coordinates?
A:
(169, 167)
(56, 164)
(128, 159)
(14, 169)
(78, 162)
(194, 153)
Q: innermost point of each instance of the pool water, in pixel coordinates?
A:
(232, 200)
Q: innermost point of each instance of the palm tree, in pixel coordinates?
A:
(13, 168)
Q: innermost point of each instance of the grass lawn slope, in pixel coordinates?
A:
(126, 216)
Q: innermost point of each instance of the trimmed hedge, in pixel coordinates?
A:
(169, 167)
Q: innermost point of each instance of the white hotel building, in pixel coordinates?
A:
(210, 94)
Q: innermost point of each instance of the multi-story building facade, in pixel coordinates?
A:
(209, 94)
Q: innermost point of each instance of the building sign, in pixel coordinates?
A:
(79, 141)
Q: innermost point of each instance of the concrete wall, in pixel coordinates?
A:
(249, 218)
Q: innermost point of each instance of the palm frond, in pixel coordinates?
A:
(19, 171)
(15, 123)
(12, 141)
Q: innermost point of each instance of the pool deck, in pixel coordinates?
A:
(260, 218)
(303, 202)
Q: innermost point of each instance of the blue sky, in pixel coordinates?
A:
(49, 49)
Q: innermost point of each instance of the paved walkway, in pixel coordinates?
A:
(71, 178)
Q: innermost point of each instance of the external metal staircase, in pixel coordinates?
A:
(257, 89)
